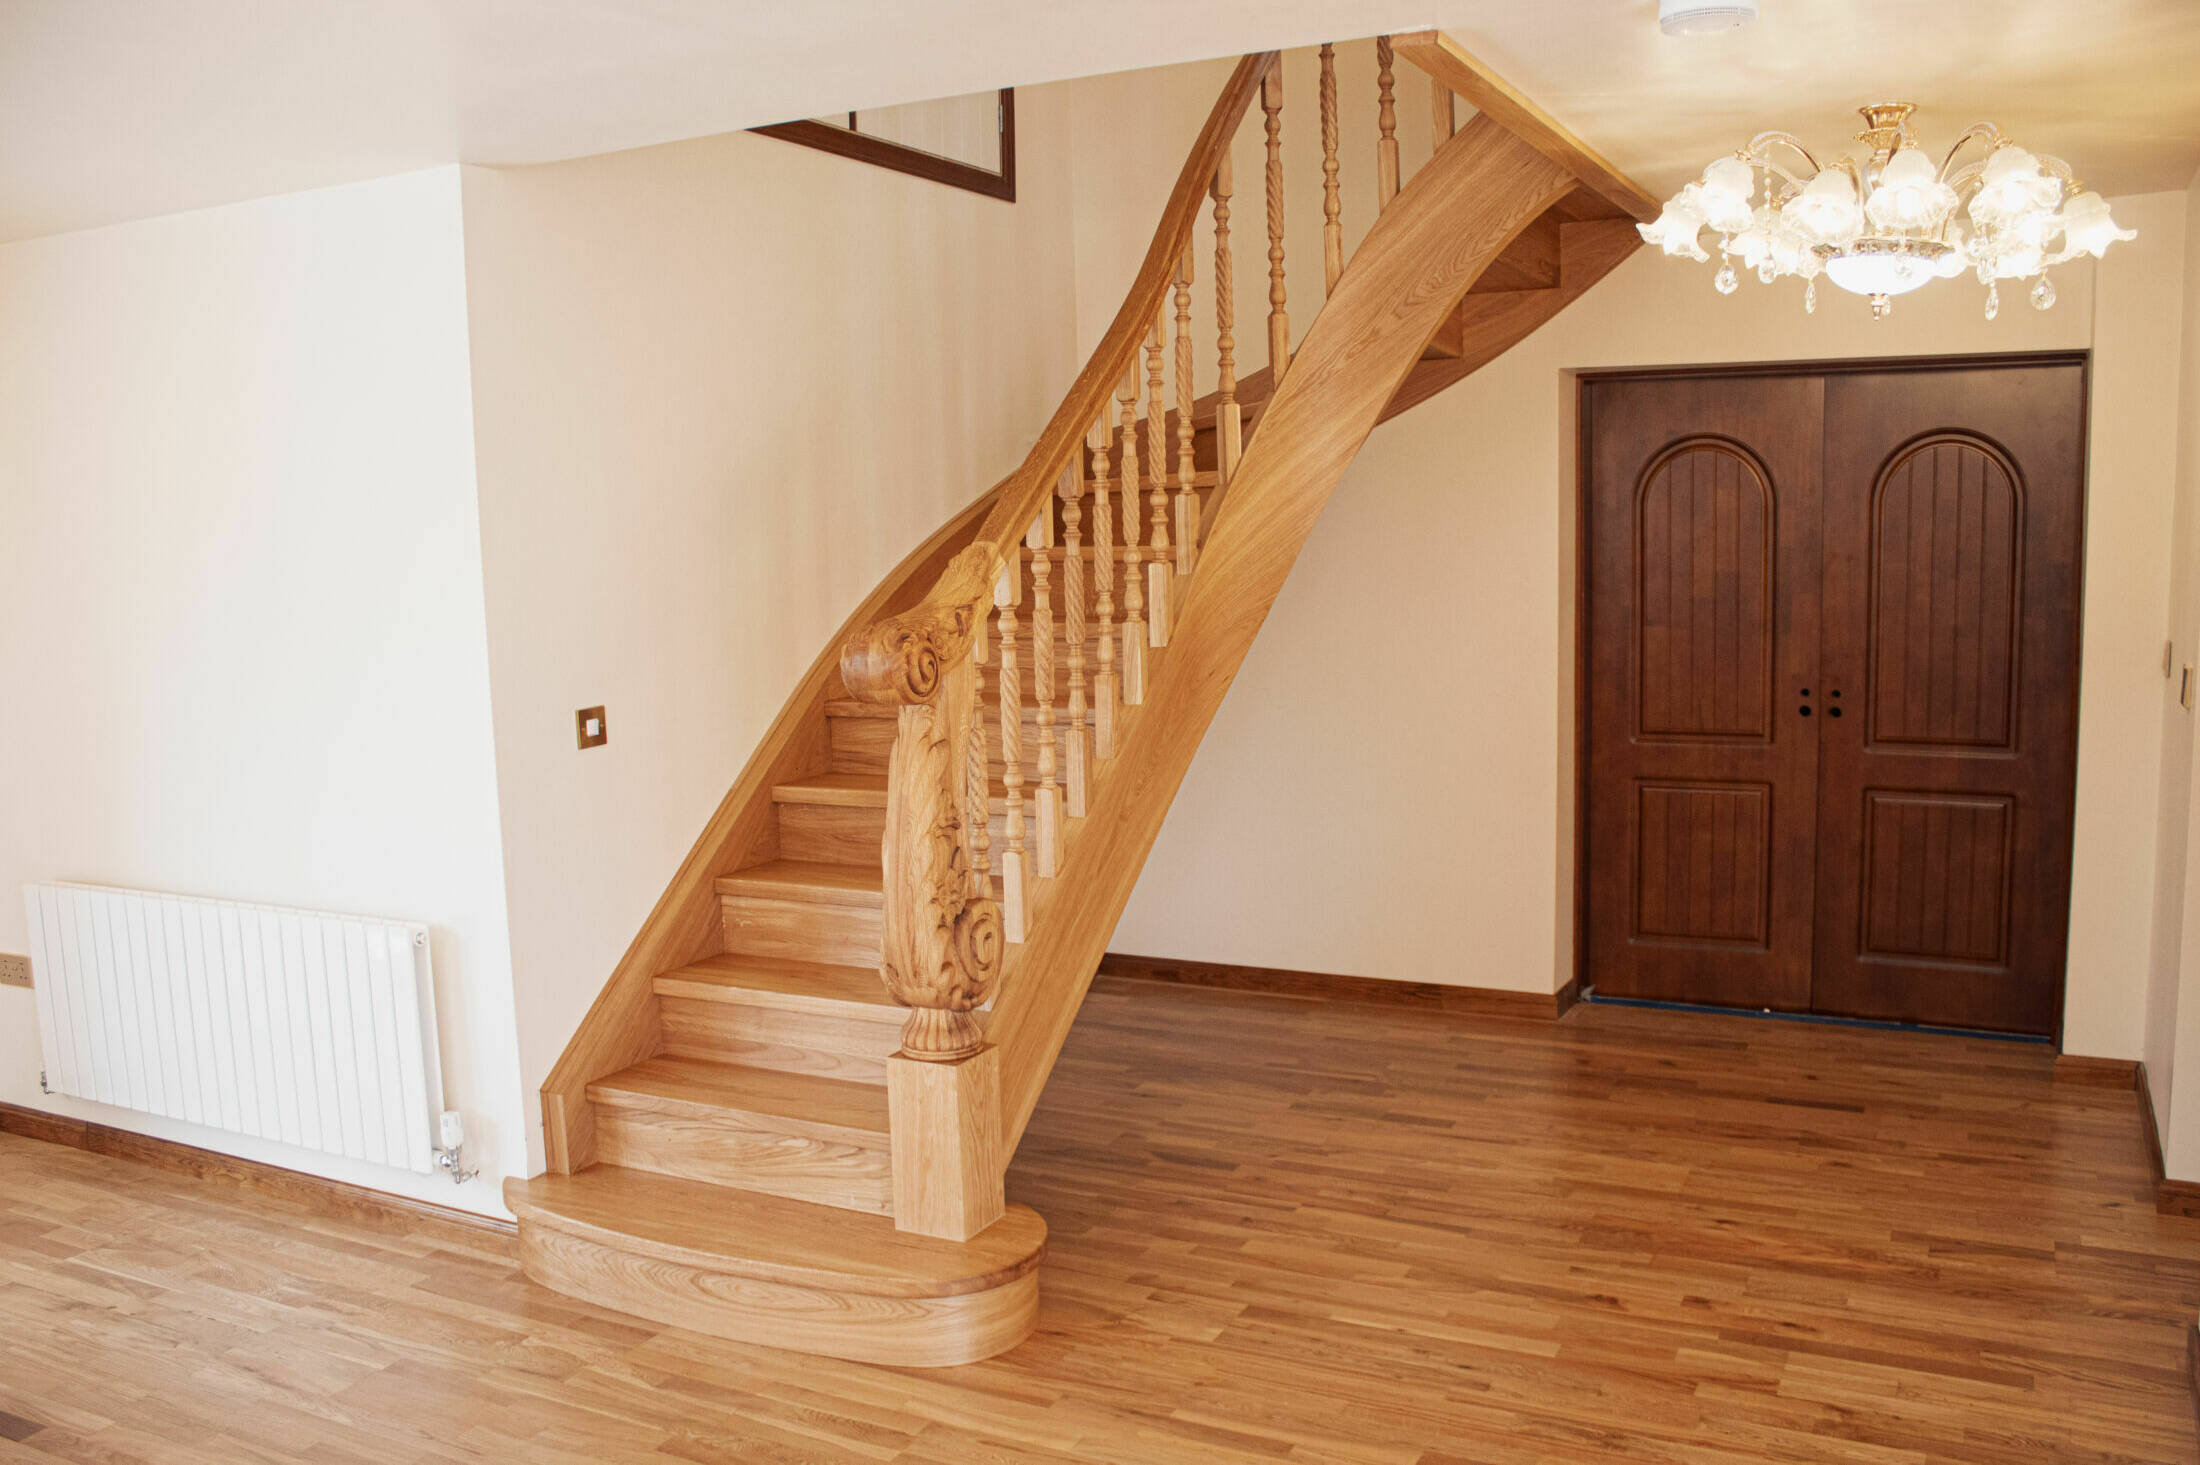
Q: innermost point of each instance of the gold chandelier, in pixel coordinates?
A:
(1887, 225)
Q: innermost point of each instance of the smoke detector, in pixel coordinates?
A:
(1704, 17)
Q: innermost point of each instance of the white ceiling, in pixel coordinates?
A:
(120, 109)
(2110, 86)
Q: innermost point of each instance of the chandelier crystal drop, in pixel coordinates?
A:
(1893, 222)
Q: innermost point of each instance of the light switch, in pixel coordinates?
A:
(589, 723)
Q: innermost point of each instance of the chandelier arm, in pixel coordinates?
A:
(1977, 131)
(1765, 140)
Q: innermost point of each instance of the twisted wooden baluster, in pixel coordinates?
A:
(1229, 418)
(1386, 122)
(1014, 872)
(1160, 562)
(1105, 689)
(1076, 737)
(1187, 498)
(978, 794)
(1332, 215)
(1279, 320)
(1134, 593)
(1047, 802)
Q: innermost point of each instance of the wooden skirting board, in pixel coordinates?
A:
(1329, 987)
(331, 1197)
(2171, 1197)
(2192, 1369)
(2104, 1073)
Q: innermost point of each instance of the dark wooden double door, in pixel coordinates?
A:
(1831, 689)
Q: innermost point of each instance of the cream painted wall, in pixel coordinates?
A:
(1413, 685)
(243, 604)
(721, 388)
(2173, 1006)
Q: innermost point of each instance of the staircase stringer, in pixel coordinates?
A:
(1425, 251)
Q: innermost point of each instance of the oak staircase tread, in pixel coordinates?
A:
(867, 790)
(784, 984)
(808, 880)
(698, 1087)
(857, 707)
(1201, 478)
(1058, 553)
(773, 1239)
(847, 790)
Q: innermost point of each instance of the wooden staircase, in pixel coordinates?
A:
(788, 1115)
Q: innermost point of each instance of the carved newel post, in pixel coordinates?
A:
(942, 941)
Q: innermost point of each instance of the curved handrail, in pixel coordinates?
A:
(902, 658)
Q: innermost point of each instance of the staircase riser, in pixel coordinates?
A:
(864, 744)
(841, 934)
(792, 1042)
(826, 1172)
(834, 833)
(861, 831)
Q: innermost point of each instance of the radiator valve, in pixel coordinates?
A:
(450, 1156)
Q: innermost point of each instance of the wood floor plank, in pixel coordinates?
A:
(1279, 1231)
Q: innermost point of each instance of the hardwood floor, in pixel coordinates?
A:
(1280, 1231)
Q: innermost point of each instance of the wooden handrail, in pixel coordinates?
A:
(901, 659)
(1452, 66)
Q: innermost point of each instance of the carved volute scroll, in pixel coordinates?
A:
(942, 941)
(903, 658)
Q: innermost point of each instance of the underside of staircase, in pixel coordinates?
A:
(787, 1116)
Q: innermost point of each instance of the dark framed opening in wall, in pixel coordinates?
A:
(1827, 647)
(981, 159)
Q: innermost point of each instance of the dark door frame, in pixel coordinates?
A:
(1836, 366)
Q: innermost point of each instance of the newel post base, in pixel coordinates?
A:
(947, 1144)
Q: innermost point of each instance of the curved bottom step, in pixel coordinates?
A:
(788, 1274)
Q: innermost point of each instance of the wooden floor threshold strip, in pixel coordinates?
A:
(1822, 1019)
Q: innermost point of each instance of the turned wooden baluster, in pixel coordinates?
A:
(1106, 691)
(1076, 737)
(1229, 418)
(1332, 214)
(1015, 874)
(1160, 560)
(1187, 498)
(1047, 801)
(1279, 321)
(1444, 122)
(1133, 661)
(1386, 122)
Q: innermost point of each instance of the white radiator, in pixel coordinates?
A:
(311, 1029)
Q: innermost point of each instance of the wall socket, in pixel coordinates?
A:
(15, 971)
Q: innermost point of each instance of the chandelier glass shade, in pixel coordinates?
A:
(1891, 223)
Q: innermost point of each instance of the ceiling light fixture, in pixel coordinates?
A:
(1704, 17)
(1885, 226)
